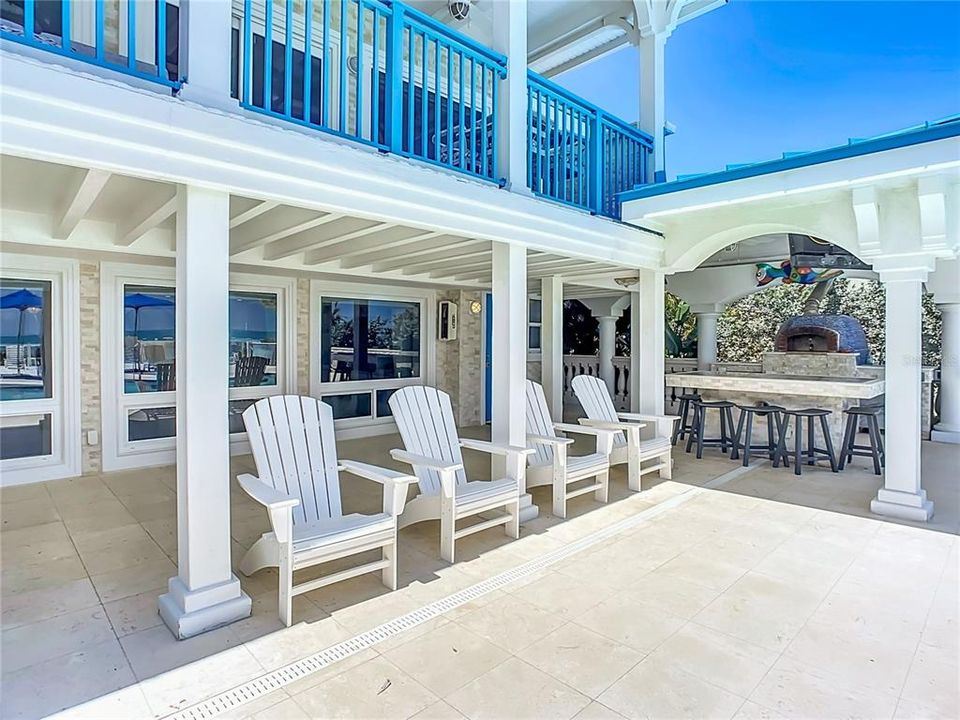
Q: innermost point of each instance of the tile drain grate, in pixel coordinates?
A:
(288, 674)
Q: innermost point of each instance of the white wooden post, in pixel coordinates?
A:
(647, 344)
(510, 38)
(652, 111)
(902, 495)
(205, 594)
(509, 426)
(205, 40)
(608, 348)
(706, 335)
(948, 429)
(551, 344)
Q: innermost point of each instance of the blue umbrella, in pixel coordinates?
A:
(20, 300)
(136, 301)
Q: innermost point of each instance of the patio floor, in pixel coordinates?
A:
(723, 592)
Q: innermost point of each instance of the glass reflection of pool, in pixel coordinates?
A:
(21, 392)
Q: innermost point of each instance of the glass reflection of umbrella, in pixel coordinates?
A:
(21, 300)
(137, 301)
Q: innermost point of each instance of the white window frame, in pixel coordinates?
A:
(120, 453)
(64, 405)
(372, 425)
(534, 354)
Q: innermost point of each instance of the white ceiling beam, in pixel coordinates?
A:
(146, 220)
(275, 225)
(454, 268)
(436, 242)
(578, 267)
(251, 213)
(79, 200)
(587, 57)
(440, 257)
(392, 237)
(326, 234)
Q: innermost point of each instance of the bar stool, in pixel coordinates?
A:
(681, 428)
(773, 415)
(700, 408)
(812, 451)
(874, 449)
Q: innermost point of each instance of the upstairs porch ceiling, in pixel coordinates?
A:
(58, 205)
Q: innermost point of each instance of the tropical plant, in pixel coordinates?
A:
(680, 325)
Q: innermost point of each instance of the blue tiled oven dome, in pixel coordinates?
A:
(823, 333)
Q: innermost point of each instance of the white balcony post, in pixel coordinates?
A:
(551, 344)
(706, 335)
(948, 429)
(205, 41)
(608, 348)
(902, 495)
(205, 594)
(509, 339)
(510, 38)
(647, 344)
(652, 109)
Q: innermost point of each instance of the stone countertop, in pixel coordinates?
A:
(860, 388)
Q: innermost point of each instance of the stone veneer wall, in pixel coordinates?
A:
(90, 397)
(470, 339)
(535, 370)
(303, 337)
(448, 356)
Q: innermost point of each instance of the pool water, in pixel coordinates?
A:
(21, 392)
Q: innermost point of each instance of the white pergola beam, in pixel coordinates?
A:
(436, 241)
(317, 237)
(378, 240)
(79, 201)
(146, 221)
(454, 257)
(275, 226)
(252, 213)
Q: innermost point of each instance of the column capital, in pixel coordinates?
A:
(708, 309)
(913, 267)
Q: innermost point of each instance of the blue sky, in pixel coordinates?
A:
(753, 79)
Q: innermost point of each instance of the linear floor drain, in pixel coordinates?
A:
(277, 679)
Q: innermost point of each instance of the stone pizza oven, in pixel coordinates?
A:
(823, 333)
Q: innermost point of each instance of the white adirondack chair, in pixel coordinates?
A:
(298, 482)
(628, 445)
(552, 465)
(424, 416)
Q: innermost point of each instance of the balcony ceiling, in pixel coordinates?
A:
(51, 204)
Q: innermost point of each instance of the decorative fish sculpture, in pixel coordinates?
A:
(767, 273)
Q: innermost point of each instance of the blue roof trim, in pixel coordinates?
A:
(947, 128)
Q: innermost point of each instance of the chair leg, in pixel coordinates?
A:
(747, 438)
(389, 574)
(828, 441)
(702, 416)
(678, 427)
(847, 441)
(797, 446)
(723, 430)
(512, 528)
(602, 493)
(693, 427)
(780, 452)
(771, 449)
(883, 452)
(874, 442)
(634, 476)
(448, 527)
(285, 594)
(811, 455)
(559, 493)
(737, 434)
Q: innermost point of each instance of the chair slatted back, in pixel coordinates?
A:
(249, 371)
(424, 417)
(593, 395)
(166, 376)
(539, 423)
(293, 444)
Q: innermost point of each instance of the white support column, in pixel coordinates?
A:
(510, 38)
(706, 334)
(948, 429)
(205, 41)
(647, 344)
(652, 110)
(551, 344)
(902, 495)
(608, 348)
(205, 594)
(509, 424)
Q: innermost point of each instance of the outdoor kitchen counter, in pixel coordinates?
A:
(774, 385)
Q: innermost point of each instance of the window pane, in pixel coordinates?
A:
(149, 332)
(369, 339)
(383, 402)
(536, 309)
(253, 339)
(533, 337)
(235, 414)
(151, 423)
(25, 340)
(348, 406)
(24, 436)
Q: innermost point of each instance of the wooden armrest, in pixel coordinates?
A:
(394, 483)
(549, 440)
(648, 418)
(264, 494)
(424, 461)
(607, 425)
(495, 448)
(582, 429)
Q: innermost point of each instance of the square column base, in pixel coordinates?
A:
(907, 506)
(191, 612)
(528, 511)
(946, 434)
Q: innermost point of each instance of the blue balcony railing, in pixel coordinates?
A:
(376, 72)
(579, 155)
(140, 38)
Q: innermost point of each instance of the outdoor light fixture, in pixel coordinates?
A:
(475, 307)
(626, 282)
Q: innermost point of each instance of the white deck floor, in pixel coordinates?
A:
(748, 599)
